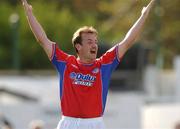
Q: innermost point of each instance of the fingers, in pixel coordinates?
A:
(27, 7)
(151, 3)
(146, 9)
(24, 2)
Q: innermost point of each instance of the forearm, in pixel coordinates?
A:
(135, 30)
(35, 26)
(37, 30)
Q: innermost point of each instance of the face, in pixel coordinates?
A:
(87, 50)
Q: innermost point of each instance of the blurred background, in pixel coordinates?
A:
(145, 89)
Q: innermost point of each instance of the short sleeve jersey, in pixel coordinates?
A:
(84, 87)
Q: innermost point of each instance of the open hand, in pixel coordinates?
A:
(145, 10)
(26, 5)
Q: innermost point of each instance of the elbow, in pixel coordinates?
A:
(41, 39)
(128, 43)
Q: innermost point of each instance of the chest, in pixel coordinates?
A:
(82, 76)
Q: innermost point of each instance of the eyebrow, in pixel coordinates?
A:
(92, 40)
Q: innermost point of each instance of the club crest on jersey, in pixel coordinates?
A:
(81, 79)
(96, 70)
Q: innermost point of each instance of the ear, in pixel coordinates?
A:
(78, 46)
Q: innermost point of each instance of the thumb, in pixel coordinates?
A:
(24, 2)
(30, 6)
(143, 10)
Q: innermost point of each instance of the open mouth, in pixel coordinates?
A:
(93, 51)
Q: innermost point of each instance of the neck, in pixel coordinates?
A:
(85, 61)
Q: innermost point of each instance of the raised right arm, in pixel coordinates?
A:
(38, 30)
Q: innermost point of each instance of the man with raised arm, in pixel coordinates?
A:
(84, 79)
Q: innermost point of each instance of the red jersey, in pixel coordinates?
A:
(84, 87)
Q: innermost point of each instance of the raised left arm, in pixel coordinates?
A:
(135, 30)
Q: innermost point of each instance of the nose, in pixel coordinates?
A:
(94, 44)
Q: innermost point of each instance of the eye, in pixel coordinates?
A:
(89, 42)
(92, 42)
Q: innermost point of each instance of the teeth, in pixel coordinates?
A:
(93, 51)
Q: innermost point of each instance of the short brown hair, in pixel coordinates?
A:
(77, 35)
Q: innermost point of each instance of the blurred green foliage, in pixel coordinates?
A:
(112, 18)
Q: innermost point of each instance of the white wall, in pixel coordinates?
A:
(160, 116)
(177, 73)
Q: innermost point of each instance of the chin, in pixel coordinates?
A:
(94, 58)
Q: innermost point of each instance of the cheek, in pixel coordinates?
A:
(86, 49)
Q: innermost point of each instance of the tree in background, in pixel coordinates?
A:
(112, 18)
